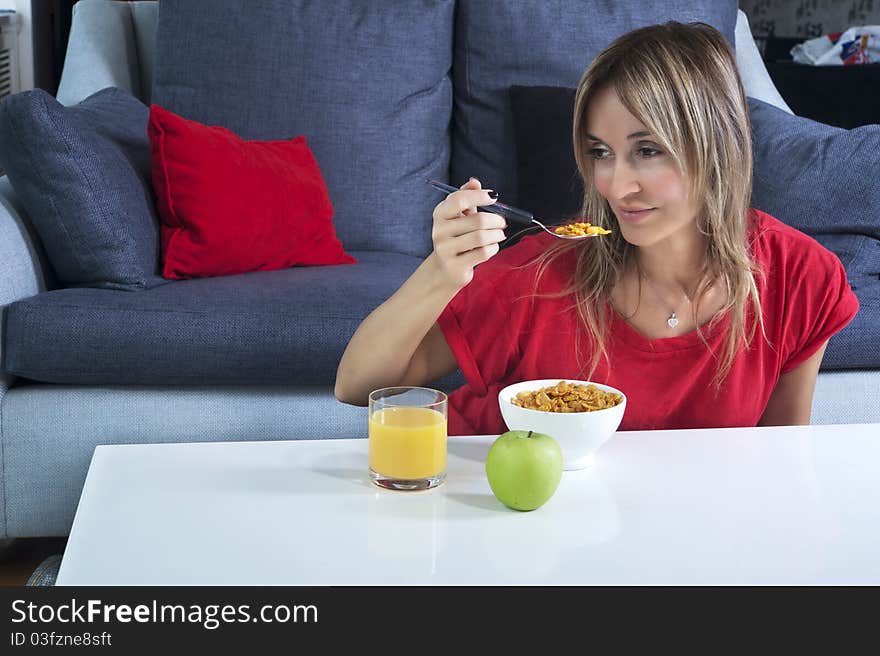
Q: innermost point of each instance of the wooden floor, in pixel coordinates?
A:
(20, 557)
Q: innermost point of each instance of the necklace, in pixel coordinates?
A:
(672, 321)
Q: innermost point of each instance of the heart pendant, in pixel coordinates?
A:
(672, 322)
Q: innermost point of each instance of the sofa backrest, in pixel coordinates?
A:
(111, 44)
(499, 44)
(81, 77)
(367, 84)
(492, 45)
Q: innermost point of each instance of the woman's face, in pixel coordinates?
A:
(640, 181)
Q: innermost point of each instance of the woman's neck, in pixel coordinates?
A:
(678, 263)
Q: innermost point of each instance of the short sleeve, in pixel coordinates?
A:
(821, 304)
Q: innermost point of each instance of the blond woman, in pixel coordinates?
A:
(704, 312)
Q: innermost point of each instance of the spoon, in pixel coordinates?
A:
(508, 212)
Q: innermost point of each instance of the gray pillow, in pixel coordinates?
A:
(367, 83)
(83, 176)
(823, 181)
(499, 44)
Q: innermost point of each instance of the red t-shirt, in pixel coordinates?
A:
(501, 334)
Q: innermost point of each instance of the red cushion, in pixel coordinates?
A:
(228, 205)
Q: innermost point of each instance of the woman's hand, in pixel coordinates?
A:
(400, 343)
(463, 236)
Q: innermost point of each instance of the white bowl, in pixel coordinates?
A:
(579, 434)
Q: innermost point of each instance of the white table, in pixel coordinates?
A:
(725, 506)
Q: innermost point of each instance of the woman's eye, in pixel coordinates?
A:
(598, 153)
(648, 152)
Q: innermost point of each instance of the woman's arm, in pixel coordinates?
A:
(792, 398)
(399, 343)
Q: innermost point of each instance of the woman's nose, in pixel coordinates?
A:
(624, 181)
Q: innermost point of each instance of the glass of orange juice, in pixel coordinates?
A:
(407, 434)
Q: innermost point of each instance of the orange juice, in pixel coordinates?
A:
(407, 442)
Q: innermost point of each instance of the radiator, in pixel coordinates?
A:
(9, 77)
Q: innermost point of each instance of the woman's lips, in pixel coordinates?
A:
(634, 217)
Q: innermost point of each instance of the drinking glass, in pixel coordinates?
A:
(407, 434)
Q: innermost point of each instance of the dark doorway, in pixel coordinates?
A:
(51, 28)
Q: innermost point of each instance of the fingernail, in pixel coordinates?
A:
(493, 195)
(472, 179)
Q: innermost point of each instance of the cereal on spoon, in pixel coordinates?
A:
(580, 229)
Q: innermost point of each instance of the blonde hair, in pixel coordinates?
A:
(681, 82)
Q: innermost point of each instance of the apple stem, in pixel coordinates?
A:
(529, 435)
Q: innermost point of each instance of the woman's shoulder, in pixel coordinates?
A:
(805, 295)
(778, 245)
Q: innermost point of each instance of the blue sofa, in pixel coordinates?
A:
(253, 357)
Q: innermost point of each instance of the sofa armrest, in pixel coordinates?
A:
(756, 80)
(101, 52)
(24, 271)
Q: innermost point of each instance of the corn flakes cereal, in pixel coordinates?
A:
(567, 397)
(580, 229)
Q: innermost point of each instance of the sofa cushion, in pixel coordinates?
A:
(499, 44)
(367, 83)
(822, 180)
(803, 175)
(818, 178)
(548, 182)
(856, 346)
(288, 326)
(231, 206)
(83, 175)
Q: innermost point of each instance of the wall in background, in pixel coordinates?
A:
(808, 18)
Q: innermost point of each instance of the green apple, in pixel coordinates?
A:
(524, 469)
